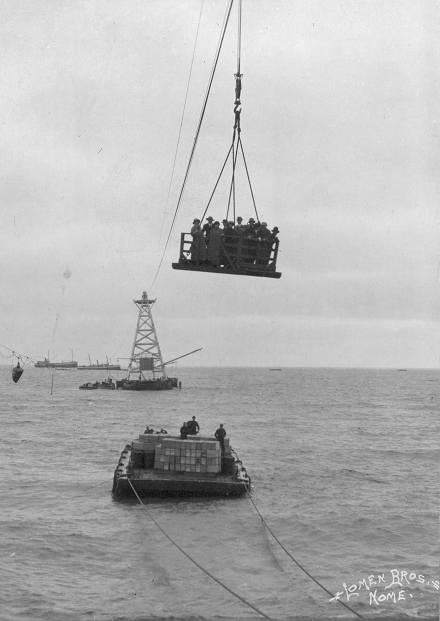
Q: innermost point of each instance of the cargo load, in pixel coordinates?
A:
(162, 464)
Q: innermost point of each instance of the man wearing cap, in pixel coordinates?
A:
(230, 242)
(184, 431)
(213, 251)
(274, 235)
(198, 246)
(253, 227)
(193, 426)
(207, 228)
(263, 231)
(265, 244)
(240, 228)
(220, 435)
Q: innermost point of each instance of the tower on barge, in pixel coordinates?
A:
(146, 369)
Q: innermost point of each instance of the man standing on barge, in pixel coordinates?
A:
(220, 436)
(184, 432)
(193, 426)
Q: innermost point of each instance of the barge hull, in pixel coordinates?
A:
(177, 487)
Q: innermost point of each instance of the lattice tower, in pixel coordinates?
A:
(146, 356)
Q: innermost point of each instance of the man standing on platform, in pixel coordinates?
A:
(193, 426)
(207, 228)
(184, 432)
(220, 436)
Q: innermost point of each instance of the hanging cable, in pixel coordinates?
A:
(298, 563)
(288, 553)
(194, 561)
(181, 120)
(217, 182)
(16, 353)
(202, 114)
(6, 357)
(249, 179)
(239, 37)
(232, 187)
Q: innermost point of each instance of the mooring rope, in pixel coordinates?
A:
(194, 561)
(293, 559)
(297, 562)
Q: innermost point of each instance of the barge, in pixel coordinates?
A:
(163, 465)
(148, 384)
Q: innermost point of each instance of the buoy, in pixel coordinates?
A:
(17, 372)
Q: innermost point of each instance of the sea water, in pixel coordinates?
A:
(344, 467)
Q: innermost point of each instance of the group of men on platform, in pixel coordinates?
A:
(216, 246)
(192, 428)
(253, 229)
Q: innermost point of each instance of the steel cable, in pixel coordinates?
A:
(194, 561)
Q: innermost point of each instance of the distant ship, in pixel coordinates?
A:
(47, 364)
(99, 366)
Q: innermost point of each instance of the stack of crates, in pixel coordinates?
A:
(201, 456)
(211, 439)
(144, 449)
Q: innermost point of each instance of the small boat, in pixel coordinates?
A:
(89, 386)
(104, 385)
(156, 464)
(275, 369)
(107, 384)
(158, 383)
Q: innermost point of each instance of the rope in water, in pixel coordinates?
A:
(293, 559)
(299, 564)
(195, 562)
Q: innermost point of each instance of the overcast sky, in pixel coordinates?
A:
(340, 131)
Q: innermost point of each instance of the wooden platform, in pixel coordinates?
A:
(239, 271)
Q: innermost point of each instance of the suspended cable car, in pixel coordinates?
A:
(243, 249)
(234, 254)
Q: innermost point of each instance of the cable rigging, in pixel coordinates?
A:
(293, 559)
(25, 359)
(202, 114)
(194, 561)
(244, 249)
(180, 129)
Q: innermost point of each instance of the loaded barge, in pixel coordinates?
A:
(164, 465)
